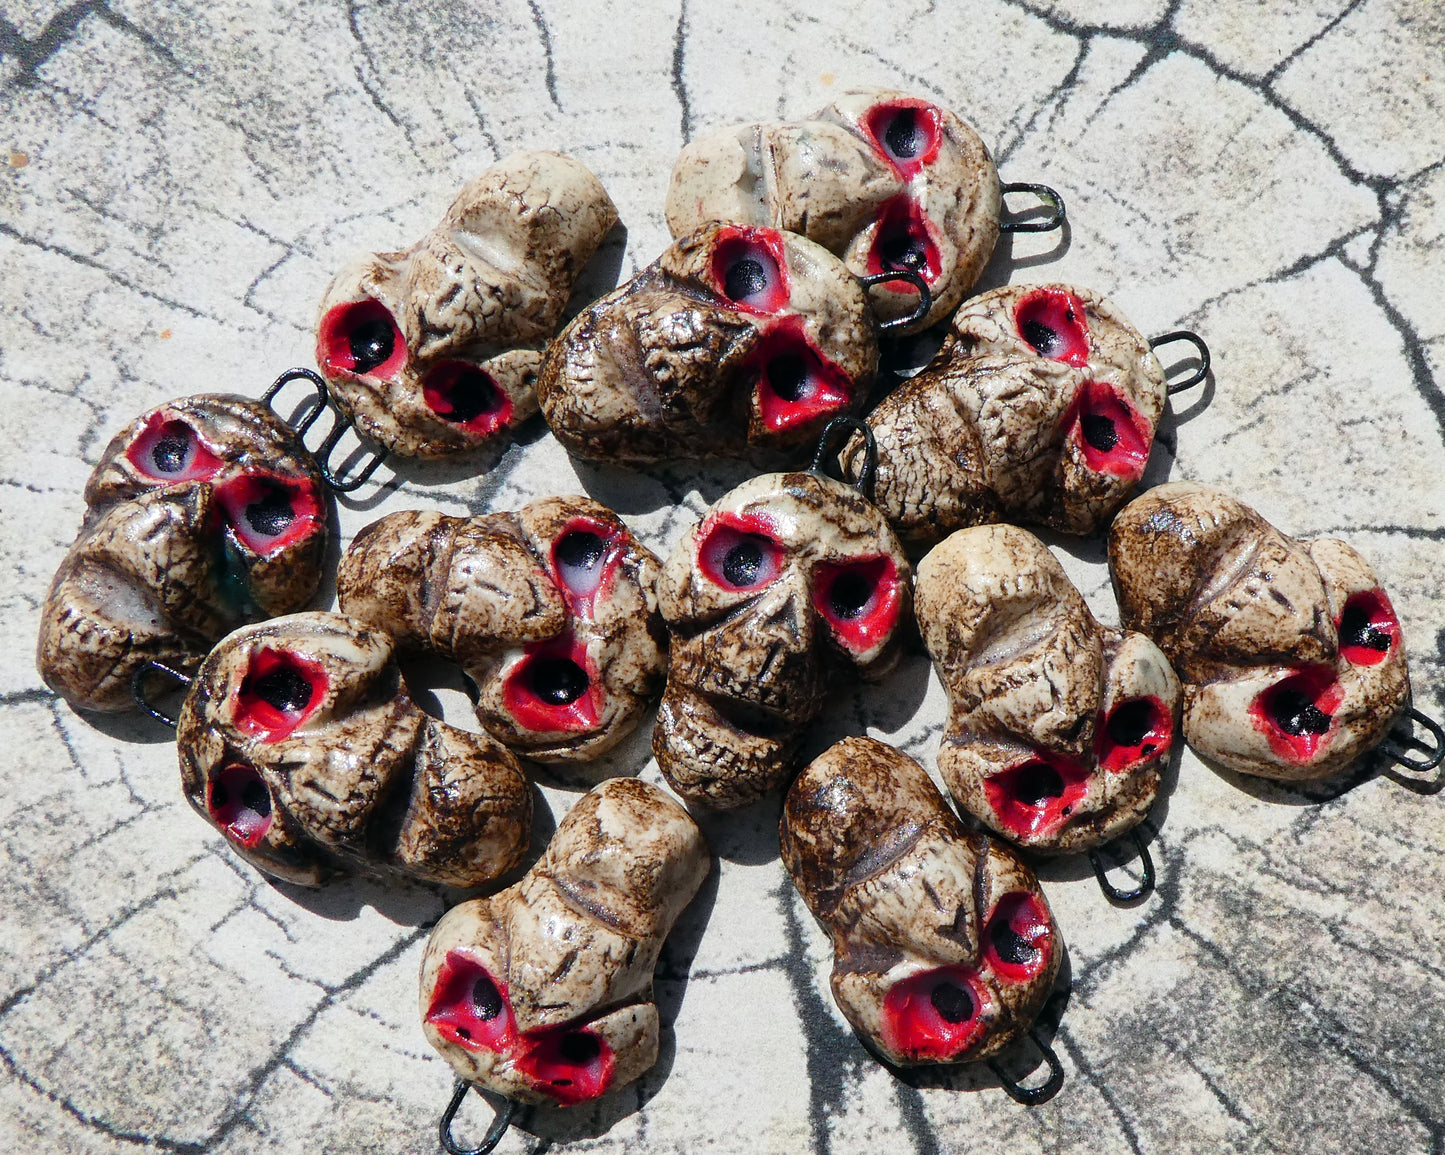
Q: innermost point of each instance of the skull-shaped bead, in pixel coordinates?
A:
(1290, 653)
(543, 993)
(788, 581)
(434, 349)
(299, 742)
(202, 514)
(944, 949)
(551, 611)
(1040, 408)
(735, 341)
(886, 181)
(1058, 726)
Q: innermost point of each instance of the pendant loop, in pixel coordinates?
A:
(864, 483)
(1401, 739)
(322, 453)
(494, 1132)
(137, 689)
(1190, 338)
(1111, 892)
(1049, 223)
(1033, 1096)
(925, 298)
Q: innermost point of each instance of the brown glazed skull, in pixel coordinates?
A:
(1040, 408)
(884, 180)
(944, 949)
(736, 341)
(434, 349)
(551, 611)
(543, 993)
(1058, 727)
(298, 742)
(202, 514)
(789, 581)
(1290, 653)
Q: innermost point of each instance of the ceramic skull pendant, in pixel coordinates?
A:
(1290, 653)
(944, 949)
(299, 742)
(434, 349)
(1040, 408)
(1058, 726)
(886, 181)
(543, 993)
(787, 582)
(735, 342)
(551, 611)
(202, 514)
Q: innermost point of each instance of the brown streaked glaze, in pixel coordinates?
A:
(751, 660)
(679, 362)
(552, 612)
(543, 992)
(1058, 727)
(882, 179)
(202, 514)
(299, 742)
(1291, 655)
(1040, 408)
(944, 948)
(450, 332)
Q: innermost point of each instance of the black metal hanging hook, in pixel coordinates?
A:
(1033, 1096)
(1198, 342)
(864, 482)
(1111, 892)
(925, 298)
(494, 1133)
(1054, 221)
(322, 453)
(1401, 737)
(137, 689)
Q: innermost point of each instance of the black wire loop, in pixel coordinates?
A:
(864, 482)
(1203, 350)
(1033, 1096)
(1113, 893)
(494, 1132)
(138, 689)
(1394, 745)
(925, 298)
(322, 453)
(328, 447)
(1054, 221)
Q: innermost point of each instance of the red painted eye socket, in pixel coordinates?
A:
(1017, 938)
(748, 268)
(858, 599)
(739, 554)
(903, 242)
(268, 513)
(585, 556)
(1035, 797)
(1113, 437)
(168, 451)
(571, 1064)
(239, 803)
(934, 1015)
(797, 385)
(360, 337)
(279, 692)
(553, 688)
(1052, 321)
(908, 135)
(1135, 730)
(1296, 714)
(469, 1007)
(466, 396)
(1368, 628)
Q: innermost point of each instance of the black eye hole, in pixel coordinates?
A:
(253, 795)
(743, 563)
(1041, 337)
(371, 342)
(744, 278)
(557, 681)
(486, 999)
(1356, 629)
(1011, 946)
(579, 1047)
(1296, 714)
(903, 251)
(1099, 431)
(172, 451)
(850, 594)
(270, 514)
(284, 688)
(580, 550)
(902, 138)
(1130, 724)
(788, 376)
(952, 1002)
(1036, 783)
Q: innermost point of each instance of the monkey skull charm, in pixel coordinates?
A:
(298, 742)
(1058, 727)
(788, 581)
(543, 993)
(1290, 653)
(434, 349)
(202, 514)
(944, 949)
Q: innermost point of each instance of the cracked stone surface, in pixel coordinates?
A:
(179, 180)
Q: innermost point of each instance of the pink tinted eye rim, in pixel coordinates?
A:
(553, 688)
(1052, 322)
(749, 270)
(170, 450)
(585, 557)
(1296, 714)
(903, 240)
(267, 513)
(740, 554)
(239, 803)
(1035, 798)
(469, 1005)
(279, 692)
(1136, 730)
(936, 1014)
(570, 1064)
(466, 396)
(1017, 937)
(859, 600)
(360, 337)
(797, 385)
(1368, 629)
(1112, 436)
(906, 134)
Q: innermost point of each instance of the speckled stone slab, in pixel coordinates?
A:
(178, 183)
